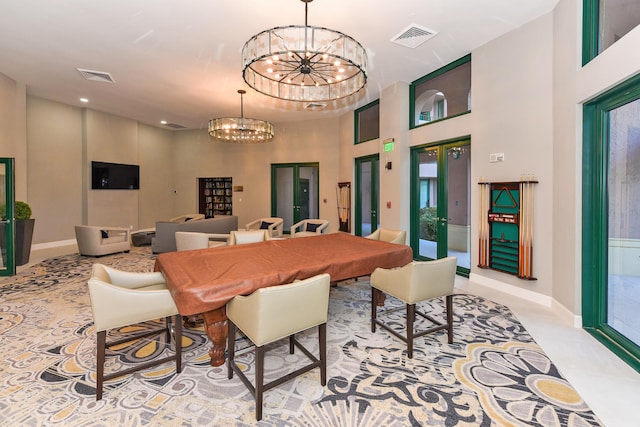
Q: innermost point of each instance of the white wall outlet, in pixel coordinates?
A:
(496, 157)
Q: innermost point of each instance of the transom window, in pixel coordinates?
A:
(444, 93)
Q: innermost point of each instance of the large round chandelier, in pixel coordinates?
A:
(303, 63)
(240, 129)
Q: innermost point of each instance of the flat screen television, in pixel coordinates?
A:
(114, 176)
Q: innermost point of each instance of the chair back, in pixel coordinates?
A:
(120, 298)
(432, 279)
(254, 236)
(389, 235)
(276, 312)
(190, 240)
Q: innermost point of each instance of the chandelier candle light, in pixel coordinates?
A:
(240, 129)
(304, 63)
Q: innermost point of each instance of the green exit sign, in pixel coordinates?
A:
(388, 146)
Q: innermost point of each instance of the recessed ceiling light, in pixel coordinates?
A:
(163, 122)
(84, 100)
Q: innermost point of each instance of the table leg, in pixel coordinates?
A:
(215, 323)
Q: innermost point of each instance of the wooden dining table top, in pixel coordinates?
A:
(206, 279)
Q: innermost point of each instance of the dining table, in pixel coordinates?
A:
(202, 281)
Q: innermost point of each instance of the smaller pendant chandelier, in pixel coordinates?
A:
(240, 129)
(303, 63)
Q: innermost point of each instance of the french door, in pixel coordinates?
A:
(366, 215)
(611, 229)
(440, 202)
(294, 192)
(7, 213)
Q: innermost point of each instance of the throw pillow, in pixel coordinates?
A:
(264, 225)
(312, 227)
(104, 234)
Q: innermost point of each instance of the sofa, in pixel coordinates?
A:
(165, 238)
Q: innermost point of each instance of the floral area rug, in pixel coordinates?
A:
(494, 374)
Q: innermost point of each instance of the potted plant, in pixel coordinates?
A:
(24, 231)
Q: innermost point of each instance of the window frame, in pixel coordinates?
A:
(356, 121)
(440, 71)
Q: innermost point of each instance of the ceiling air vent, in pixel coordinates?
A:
(413, 36)
(175, 126)
(315, 106)
(96, 76)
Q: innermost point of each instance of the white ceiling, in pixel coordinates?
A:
(179, 60)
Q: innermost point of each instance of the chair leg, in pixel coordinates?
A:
(322, 338)
(449, 304)
(291, 343)
(259, 381)
(411, 315)
(177, 332)
(374, 308)
(231, 348)
(101, 347)
(168, 333)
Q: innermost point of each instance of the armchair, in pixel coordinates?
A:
(99, 241)
(388, 235)
(121, 298)
(309, 227)
(415, 282)
(272, 224)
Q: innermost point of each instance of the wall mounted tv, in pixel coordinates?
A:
(114, 176)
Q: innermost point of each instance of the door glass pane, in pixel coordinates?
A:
(623, 291)
(364, 195)
(284, 198)
(458, 196)
(428, 170)
(4, 226)
(308, 192)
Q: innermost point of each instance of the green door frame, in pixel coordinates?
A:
(359, 161)
(296, 179)
(9, 269)
(595, 219)
(442, 197)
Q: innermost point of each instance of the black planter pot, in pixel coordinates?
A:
(24, 234)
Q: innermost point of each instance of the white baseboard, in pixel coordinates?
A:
(547, 301)
(50, 245)
(511, 290)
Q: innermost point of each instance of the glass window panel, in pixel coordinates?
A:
(617, 18)
(623, 294)
(367, 121)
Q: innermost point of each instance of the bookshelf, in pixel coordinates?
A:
(215, 196)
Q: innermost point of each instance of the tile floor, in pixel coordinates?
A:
(608, 385)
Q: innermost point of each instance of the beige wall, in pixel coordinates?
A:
(196, 156)
(55, 168)
(13, 137)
